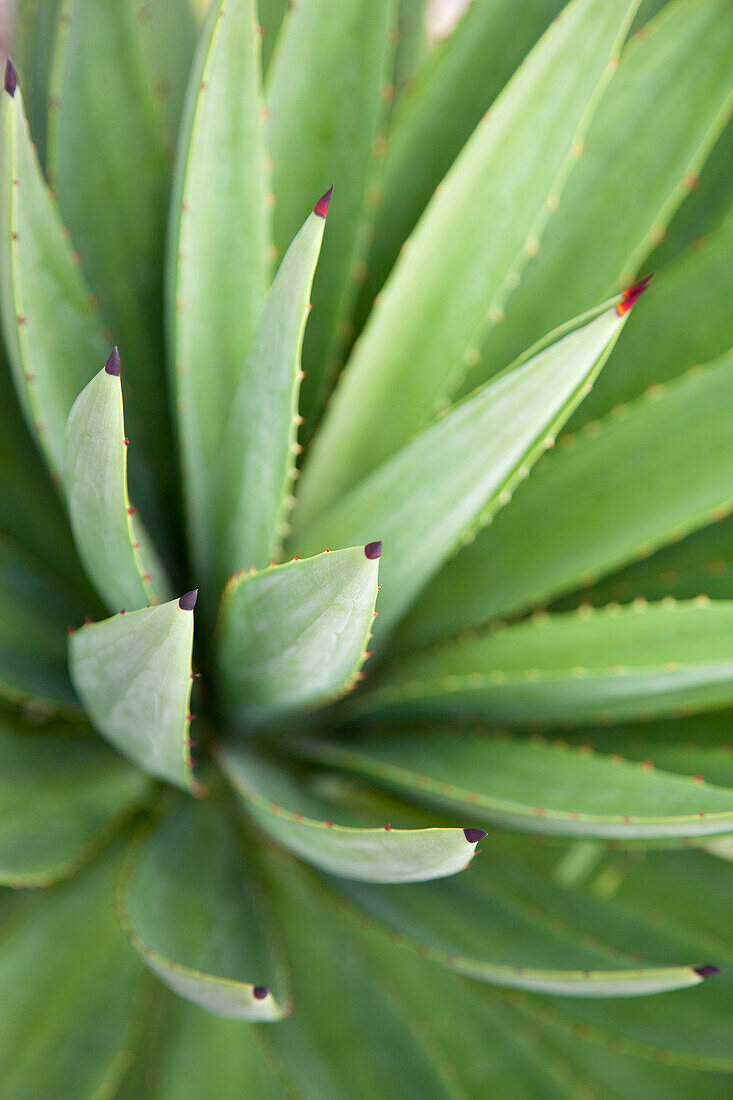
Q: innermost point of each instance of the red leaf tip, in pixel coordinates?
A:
(11, 78)
(188, 602)
(474, 835)
(373, 550)
(112, 366)
(706, 971)
(321, 207)
(260, 992)
(633, 294)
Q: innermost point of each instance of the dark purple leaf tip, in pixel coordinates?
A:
(112, 366)
(260, 992)
(373, 550)
(474, 835)
(11, 78)
(188, 602)
(706, 971)
(321, 207)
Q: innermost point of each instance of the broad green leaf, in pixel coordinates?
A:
(452, 477)
(326, 102)
(294, 636)
(257, 453)
(271, 14)
(114, 203)
(62, 792)
(507, 923)
(412, 42)
(590, 665)
(36, 614)
(68, 992)
(654, 129)
(465, 248)
(587, 511)
(35, 32)
(52, 330)
(198, 923)
(133, 675)
(186, 1053)
(113, 546)
(536, 786)
(300, 820)
(452, 90)
(169, 31)
(217, 263)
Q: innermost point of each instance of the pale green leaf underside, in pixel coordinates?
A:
(587, 511)
(468, 243)
(95, 479)
(61, 793)
(301, 822)
(190, 905)
(294, 636)
(257, 454)
(455, 474)
(589, 665)
(133, 675)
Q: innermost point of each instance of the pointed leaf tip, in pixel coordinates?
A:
(474, 835)
(188, 602)
(11, 81)
(706, 971)
(112, 365)
(632, 295)
(321, 207)
(373, 550)
(260, 992)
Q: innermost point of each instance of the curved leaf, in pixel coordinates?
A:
(294, 636)
(297, 819)
(197, 922)
(133, 674)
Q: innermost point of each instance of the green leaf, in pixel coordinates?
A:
(326, 104)
(271, 15)
(133, 675)
(509, 924)
(587, 510)
(595, 666)
(653, 132)
(300, 820)
(456, 268)
(52, 331)
(61, 793)
(452, 477)
(217, 263)
(113, 546)
(255, 467)
(412, 42)
(198, 923)
(536, 786)
(294, 636)
(169, 29)
(36, 614)
(35, 32)
(68, 992)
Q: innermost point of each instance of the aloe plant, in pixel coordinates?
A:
(234, 853)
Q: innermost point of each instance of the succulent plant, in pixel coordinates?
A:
(274, 900)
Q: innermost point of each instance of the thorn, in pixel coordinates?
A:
(123, 611)
(373, 550)
(131, 511)
(632, 295)
(11, 78)
(188, 601)
(126, 442)
(329, 824)
(70, 630)
(474, 835)
(387, 828)
(191, 717)
(112, 365)
(147, 577)
(321, 207)
(706, 971)
(87, 620)
(260, 992)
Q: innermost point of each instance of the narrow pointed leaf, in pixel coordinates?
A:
(538, 787)
(113, 546)
(198, 923)
(257, 453)
(412, 42)
(271, 15)
(301, 821)
(81, 995)
(453, 476)
(217, 262)
(294, 636)
(35, 34)
(455, 270)
(326, 103)
(664, 110)
(169, 30)
(52, 330)
(61, 793)
(587, 511)
(611, 664)
(133, 675)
